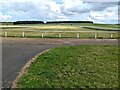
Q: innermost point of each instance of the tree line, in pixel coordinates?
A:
(53, 22)
(49, 22)
(28, 22)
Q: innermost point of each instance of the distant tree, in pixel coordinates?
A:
(53, 22)
(50, 22)
(28, 22)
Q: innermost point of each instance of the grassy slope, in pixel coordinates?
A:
(78, 66)
(16, 30)
(58, 26)
(103, 25)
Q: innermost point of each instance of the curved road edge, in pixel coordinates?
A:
(24, 69)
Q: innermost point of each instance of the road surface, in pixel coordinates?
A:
(16, 52)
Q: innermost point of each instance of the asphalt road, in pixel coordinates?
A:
(16, 52)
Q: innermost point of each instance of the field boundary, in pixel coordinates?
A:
(101, 28)
(62, 31)
(61, 34)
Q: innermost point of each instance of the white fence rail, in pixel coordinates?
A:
(77, 34)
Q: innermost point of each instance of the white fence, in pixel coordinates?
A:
(77, 34)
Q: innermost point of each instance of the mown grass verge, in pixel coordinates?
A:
(85, 66)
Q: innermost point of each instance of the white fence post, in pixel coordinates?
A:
(23, 34)
(5, 34)
(111, 35)
(60, 35)
(42, 35)
(78, 35)
(95, 36)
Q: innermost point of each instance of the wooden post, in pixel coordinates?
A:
(5, 34)
(60, 35)
(42, 35)
(78, 35)
(95, 36)
(111, 35)
(23, 34)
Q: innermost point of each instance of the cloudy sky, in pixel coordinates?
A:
(47, 10)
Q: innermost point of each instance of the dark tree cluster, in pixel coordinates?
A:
(28, 22)
(49, 22)
(53, 22)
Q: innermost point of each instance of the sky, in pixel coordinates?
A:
(59, 10)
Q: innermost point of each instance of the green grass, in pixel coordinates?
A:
(85, 66)
(103, 25)
(16, 30)
(56, 26)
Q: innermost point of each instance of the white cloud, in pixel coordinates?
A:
(45, 9)
(111, 13)
(101, 0)
(71, 3)
(4, 17)
(57, 10)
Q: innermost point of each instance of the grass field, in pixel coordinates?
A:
(85, 66)
(35, 30)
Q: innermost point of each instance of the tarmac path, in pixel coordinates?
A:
(16, 52)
